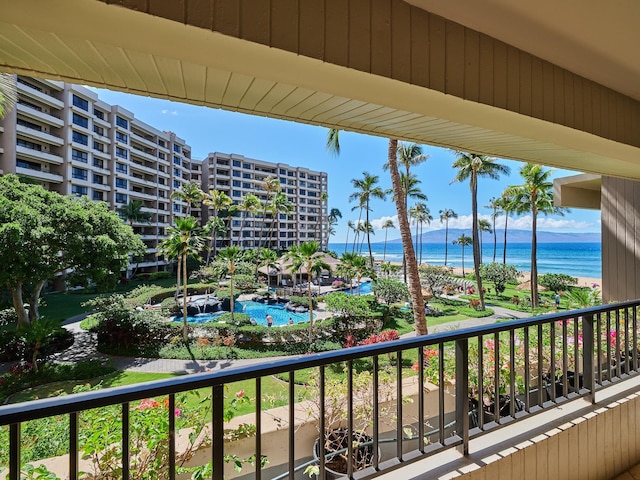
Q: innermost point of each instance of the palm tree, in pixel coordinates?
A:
(446, 215)
(366, 190)
(309, 256)
(231, 255)
(535, 196)
(415, 289)
(350, 226)
(279, 205)
(268, 258)
(271, 185)
(133, 213)
(494, 204)
(190, 193)
(483, 226)
(183, 241)
(471, 167)
(386, 225)
(218, 201)
(8, 93)
(249, 205)
(508, 206)
(463, 240)
(332, 218)
(420, 214)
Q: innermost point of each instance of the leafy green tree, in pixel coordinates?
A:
(271, 185)
(309, 257)
(332, 218)
(279, 205)
(366, 190)
(464, 241)
(390, 291)
(44, 234)
(132, 212)
(496, 210)
(355, 266)
(499, 274)
(347, 306)
(472, 167)
(249, 205)
(446, 215)
(535, 195)
(434, 278)
(557, 282)
(583, 297)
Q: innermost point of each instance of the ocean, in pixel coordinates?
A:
(575, 259)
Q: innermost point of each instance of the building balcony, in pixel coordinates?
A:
(39, 175)
(101, 123)
(39, 96)
(39, 136)
(142, 196)
(143, 140)
(569, 392)
(142, 154)
(141, 167)
(38, 115)
(38, 155)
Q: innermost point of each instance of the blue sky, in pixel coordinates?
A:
(210, 130)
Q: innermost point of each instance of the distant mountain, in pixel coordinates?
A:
(513, 236)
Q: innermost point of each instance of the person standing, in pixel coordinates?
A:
(557, 300)
(269, 320)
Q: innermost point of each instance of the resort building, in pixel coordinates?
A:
(65, 138)
(306, 190)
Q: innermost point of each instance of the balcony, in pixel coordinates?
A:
(39, 174)
(38, 115)
(38, 155)
(564, 392)
(39, 96)
(39, 135)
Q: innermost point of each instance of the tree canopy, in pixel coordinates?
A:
(43, 234)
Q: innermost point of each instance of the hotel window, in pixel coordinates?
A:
(80, 120)
(176, 160)
(121, 182)
(121, 198)
(122, 122)
(78, 190)
(236, 173)
(176, 172)
(98, 130)
(162, 156)
(98, 179)
(246, 166)
(30, 105)
(236, 183)
(98, 113)
(236, 193)
(246, 185)
(80, 138)
(122, 137)
(236, 163)
(121, 152)
(246, 175)
(79, 173)
(80, 103)
(29, 145)
(79, 156)
(98, 146)
(177, 208)
(120, 168)
(98, 196)
(176, 148)
(28, 165)
(29, 125)
(176, 184)
(161, 143)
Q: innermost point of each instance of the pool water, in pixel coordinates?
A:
(365, 287)
(256, 311)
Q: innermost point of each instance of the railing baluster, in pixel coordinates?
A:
(217, 447)
(626, 341)
(618, 362)
(376, 413)
(350, 436)
(565, 360)
(576, 356)
(321, 439)
(587, 357)
(441, 393)
(552, 366)
(292, 423)
(512, 373)
(420, 399)
(496, 378)
(479, 409)
(527, 372)
(610, 372)
(258, 428)
(462, 393)
(125, 441)
(540, 365)
(399, 449)
(598, 358)
(634, 323)
(14, 451)
(73, 445)
(172, 436)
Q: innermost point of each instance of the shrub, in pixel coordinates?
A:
(557, 281)
(159, 275)
(499, 274)
(302, 301)
(390, 291)
(245, 283)
(239, 319)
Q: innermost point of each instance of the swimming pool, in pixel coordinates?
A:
(256, 311)
(365, 287)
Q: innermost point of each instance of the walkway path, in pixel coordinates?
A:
(84, 348)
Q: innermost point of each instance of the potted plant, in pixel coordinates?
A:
(334, 440)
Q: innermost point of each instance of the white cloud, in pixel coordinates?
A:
(378, 222)
(169, 112)
(549, 223)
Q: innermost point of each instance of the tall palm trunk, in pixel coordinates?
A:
(463, 260)
(446, 240)
(310, 304)
(184, 296)
(534, 248)
(405, 233)
(212, 242)
(346, 240)
(504, 247)
(357, 232)
(476, 240)
(495, 239)
(368, 236)
(384, 253)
